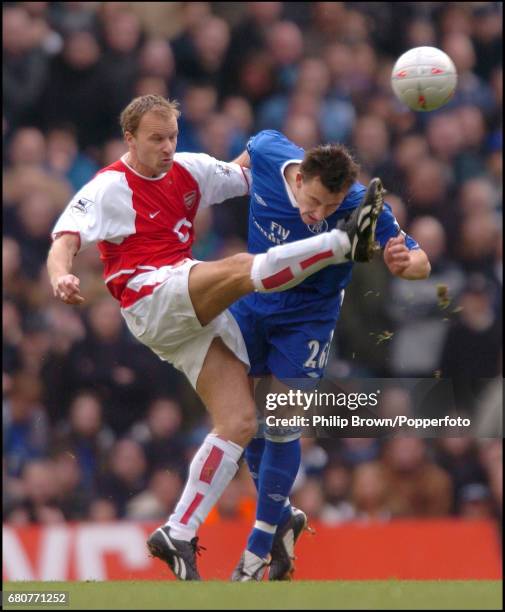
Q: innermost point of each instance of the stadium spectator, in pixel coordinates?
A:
(122, 37)
(102, 510)
(65, 159)
(27, 148)
(336, 486)
(415, 485)
(34, 216)
(309, 496)
(285, 47)
(302, 130)
(25, 424)
(369, 493)
(479, 236)
(73, 499)
(476, 331)
(191, 16)
(408, 151)
(13, 277)
(489, 413)
(161, 436)
(112, 150)
(471, 89)
(328, 23)
(198, 104)
(85, 438)
(65, 329)
(240, 113)
(371, 143)
(207, 45)
(25, 65)
(159, 498)
(418, 315)
(79, 90)
(487, 39)
(156, 59)
(427, 188)
(459, 457)
(219, 137)
(126, 476)
(40, 502)
(248, 38)
(12, 336)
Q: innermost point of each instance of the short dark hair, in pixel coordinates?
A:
(333, 164)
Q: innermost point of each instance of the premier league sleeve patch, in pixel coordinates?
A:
(82, 206)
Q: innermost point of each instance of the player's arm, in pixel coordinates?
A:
(410, 264)
(402, 255)
(59, 266)
(243, 160)
(218, 181)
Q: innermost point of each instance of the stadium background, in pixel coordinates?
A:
(95, 427)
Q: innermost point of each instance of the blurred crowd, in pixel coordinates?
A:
(95, 426)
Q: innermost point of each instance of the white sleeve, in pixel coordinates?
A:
(101, 210)
(216, 179)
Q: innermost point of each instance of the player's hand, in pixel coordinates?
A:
(66, 288)
(397, 255)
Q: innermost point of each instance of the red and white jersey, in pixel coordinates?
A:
(142, 223)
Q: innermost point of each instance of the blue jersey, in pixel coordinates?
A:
(314, 304)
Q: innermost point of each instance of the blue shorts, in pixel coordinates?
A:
(289, 336)
(286, 334)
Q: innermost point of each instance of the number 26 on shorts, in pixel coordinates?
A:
(318, 357)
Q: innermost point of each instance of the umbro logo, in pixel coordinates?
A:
(155, 214)
(277, 497)
(260, 200)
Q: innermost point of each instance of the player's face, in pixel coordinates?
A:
(153, 145)
(315, 202)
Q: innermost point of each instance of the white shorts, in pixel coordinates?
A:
(166, 322)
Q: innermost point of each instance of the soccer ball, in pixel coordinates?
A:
(424, 78)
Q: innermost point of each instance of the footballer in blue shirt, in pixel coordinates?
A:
(296, 194)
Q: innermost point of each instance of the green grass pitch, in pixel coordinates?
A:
(297, 595)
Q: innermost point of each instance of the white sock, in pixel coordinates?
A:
(212, 468)
(286, 265)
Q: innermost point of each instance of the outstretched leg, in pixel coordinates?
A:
(213, 286)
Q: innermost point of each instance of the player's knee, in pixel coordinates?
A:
(250, 427)
(242, 430)
(241, 263)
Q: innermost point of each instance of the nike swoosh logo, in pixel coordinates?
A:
(152, 215)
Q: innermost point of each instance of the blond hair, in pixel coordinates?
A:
(138, 107)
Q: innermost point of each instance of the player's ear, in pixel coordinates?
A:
(129, 138)
(299, 179)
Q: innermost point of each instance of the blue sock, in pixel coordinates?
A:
(285, 515)
(253, 455)
(277, 473)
